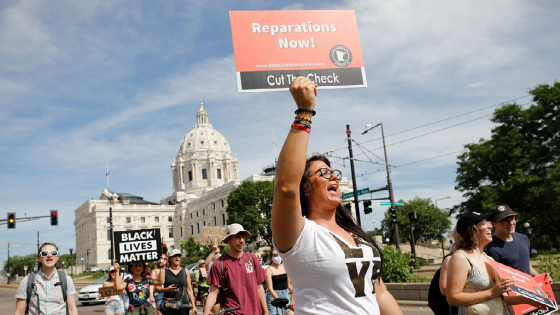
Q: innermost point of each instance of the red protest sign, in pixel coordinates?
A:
(272, 48)
(546, 289)
(524, 285)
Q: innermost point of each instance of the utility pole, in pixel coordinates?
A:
(356, 204)
(8, 263)
(111, 232)
(37, 262)
(391, 195)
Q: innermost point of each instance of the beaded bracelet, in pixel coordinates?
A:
(301, 127)
(301, 110)
(305, 119)
(301, 122)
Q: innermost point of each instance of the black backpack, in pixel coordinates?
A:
(436, 301)
(31, 286)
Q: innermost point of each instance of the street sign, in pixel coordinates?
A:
(399, 204)
(25, 268)
(360, 192)
(386, 203)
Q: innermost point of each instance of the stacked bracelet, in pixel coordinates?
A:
(301, 127)
(301, 110)
(302, 118)
(302, 122)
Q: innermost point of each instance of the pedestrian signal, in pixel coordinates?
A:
(367, 206)
(11, 220)
(54, 217)
(165, 249)
(413, 216)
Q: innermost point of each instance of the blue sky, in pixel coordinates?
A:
(86, 81)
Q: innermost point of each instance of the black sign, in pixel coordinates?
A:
(137, 246)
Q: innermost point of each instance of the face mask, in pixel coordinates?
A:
(277, 260)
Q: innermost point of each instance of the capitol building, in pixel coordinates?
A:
(204, 172)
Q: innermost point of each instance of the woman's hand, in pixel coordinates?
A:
(194, 311)
(304, 92)
(151, 299)
(171, 288)
(116, 266)
(292, 304)
(501, 287)
(161, 262)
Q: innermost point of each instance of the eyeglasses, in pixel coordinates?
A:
(45, 253)
(164, 258)
(327, 173)
(508, 220)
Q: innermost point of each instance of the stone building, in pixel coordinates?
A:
(204, 172)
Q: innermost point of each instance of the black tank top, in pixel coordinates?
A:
(280, 282)
(179, 280)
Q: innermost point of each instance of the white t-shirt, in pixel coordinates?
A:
(330, 275)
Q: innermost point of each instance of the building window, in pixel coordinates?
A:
(109, 254)
(219, 173)
(215, 221)
(170, 232)
(128, 220)
(213, 206)
(198, 228)
(204, 173)
(203, 212)
(180, 218)
(129, 229)
(181, 228)
(191, 215)
(223, 218)
(169, 219)
(190, 176)
(197, 214)
(192, 229)
(108, 235)
(142, 219)
(222, 203)
(157, 219)
(203, 223)
(172, 247)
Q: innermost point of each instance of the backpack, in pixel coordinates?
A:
(223, 279)
(436, 301)
(31, 286)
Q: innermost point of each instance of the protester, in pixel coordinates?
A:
(436, 294)
(278, 282)
(158, 290)
(47, 295)
(471, 277)
(113, 304)
(138, 288)
(240, 274)
(321, 245)
(214, 255)
(201, 282)
(509, 247)
(177, 286)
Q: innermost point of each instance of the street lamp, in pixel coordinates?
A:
(71, 257)
(441, 199)
(82, 264)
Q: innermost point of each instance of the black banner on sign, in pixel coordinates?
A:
(137, 246)
(530, 295)
(280, 80)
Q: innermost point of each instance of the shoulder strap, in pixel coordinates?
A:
(465, 257)
(30, 284)
(64, 287)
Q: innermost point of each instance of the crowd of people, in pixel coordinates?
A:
(318, 248)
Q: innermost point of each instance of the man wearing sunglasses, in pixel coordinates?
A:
(509, 247)
(45, 294)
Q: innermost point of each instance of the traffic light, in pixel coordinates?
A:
(413, 216)
(11, 220)
(165, 249)
(393, 216)
(367, 205)
(54, 217)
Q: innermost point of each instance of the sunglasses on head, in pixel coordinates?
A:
(275, 255)
(45, 253)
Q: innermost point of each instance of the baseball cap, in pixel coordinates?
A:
(468, 219)
(201, 262)
(501, 211)
(175, 252)
(234, 229)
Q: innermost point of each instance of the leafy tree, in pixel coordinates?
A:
(519, 165)
(250, 205)
(432, 223)
(17, 263)
(396, 265)
(194, 250)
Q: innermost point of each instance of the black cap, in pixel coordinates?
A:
(501, 211)
(468, 219)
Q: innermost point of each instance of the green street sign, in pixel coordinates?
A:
(399, 204)
(386, 203)
(360, 192)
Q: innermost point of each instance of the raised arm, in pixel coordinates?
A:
(287, 221)
(119, 283)
(209, 258)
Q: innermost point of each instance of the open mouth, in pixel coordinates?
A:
(333, 189)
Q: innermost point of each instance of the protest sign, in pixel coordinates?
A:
(272, 48)
(213, 235)
(110, 291)
(524, 284)
(137, 246)
(544, 287)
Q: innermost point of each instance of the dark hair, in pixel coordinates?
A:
(343, 215)
(109, 277)
(40, 265)
(129, 269)
(469, 239)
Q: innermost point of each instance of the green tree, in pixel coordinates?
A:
(432, 223)
(194, 251)
(396, 265)
(250, 205)
(519, 165)
(17, 263)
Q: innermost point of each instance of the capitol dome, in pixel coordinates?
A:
(204, 160)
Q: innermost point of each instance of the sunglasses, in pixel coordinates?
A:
(45, 253)
(176, 256)
(275, 255)
(164, 258)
